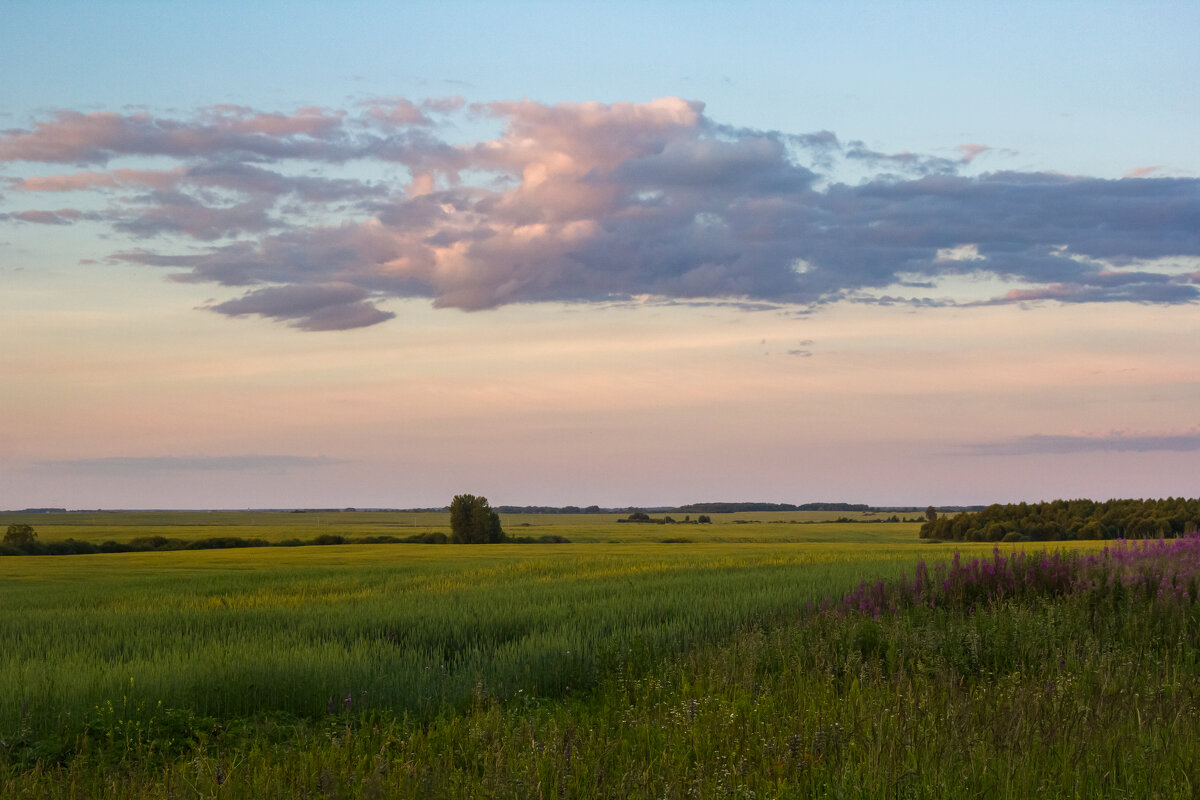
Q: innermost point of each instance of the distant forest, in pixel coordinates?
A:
(692, 508)
(729, 508)
(1067, 519)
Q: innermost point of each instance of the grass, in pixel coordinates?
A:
(633, 668)
(276, 526)
(410, 627)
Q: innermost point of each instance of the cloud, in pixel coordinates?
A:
(1142, 172)
(970, 152)
(588, 203)
(311, 308)
(1117, 441)
(95, 138)
(397, 110)
(1151, 289)
(117, 178)
(149, 465)
(63, 216)
(172, 212)
(915, 163)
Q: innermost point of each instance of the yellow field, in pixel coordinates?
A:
(781, 526)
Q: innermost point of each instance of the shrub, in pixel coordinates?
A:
(222, 542)
(429, 537)
(21, 536)
(69, 547)
(149, 542)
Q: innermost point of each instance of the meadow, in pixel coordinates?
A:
(275, 527)
(618, 665)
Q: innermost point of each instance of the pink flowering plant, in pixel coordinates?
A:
(1161, 570)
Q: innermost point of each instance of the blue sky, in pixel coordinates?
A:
(1094, 88)
(377, 254)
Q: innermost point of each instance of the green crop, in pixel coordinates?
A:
(412, 670)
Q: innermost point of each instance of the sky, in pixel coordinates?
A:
(369, 254)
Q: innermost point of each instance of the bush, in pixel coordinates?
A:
(149, 542)
(21, 537)
(430, 537)
(222, 542)
(69, 547)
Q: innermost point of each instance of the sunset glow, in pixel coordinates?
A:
(372, 270)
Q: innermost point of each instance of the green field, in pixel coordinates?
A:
(411, 627)
(432, 670)
(124, 526)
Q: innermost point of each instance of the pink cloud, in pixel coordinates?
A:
(396, 111)
(64, 216)
(307, 121)
(1141, 172)
(96, 137)
(971, 151)
(1024, 295)
(573, 138)
(159, 179)
(583, 202)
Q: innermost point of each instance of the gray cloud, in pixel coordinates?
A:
(77, 138)
(915, 163)
(1114, 442)
(594, 203)
(309, 307)
(171, 212)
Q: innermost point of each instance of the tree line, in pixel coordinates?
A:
(1067, 519)
(643, 517)
(22, 540)
(472, 521)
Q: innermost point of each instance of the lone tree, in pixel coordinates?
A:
(21, 536)
(472, 521)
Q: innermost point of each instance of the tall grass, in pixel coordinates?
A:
(998, 676)
(409, 629)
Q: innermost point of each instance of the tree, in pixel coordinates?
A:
(20, 536)
(931, 514)
(472, 521)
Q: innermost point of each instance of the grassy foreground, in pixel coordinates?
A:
(408, 628)
(639, 669)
